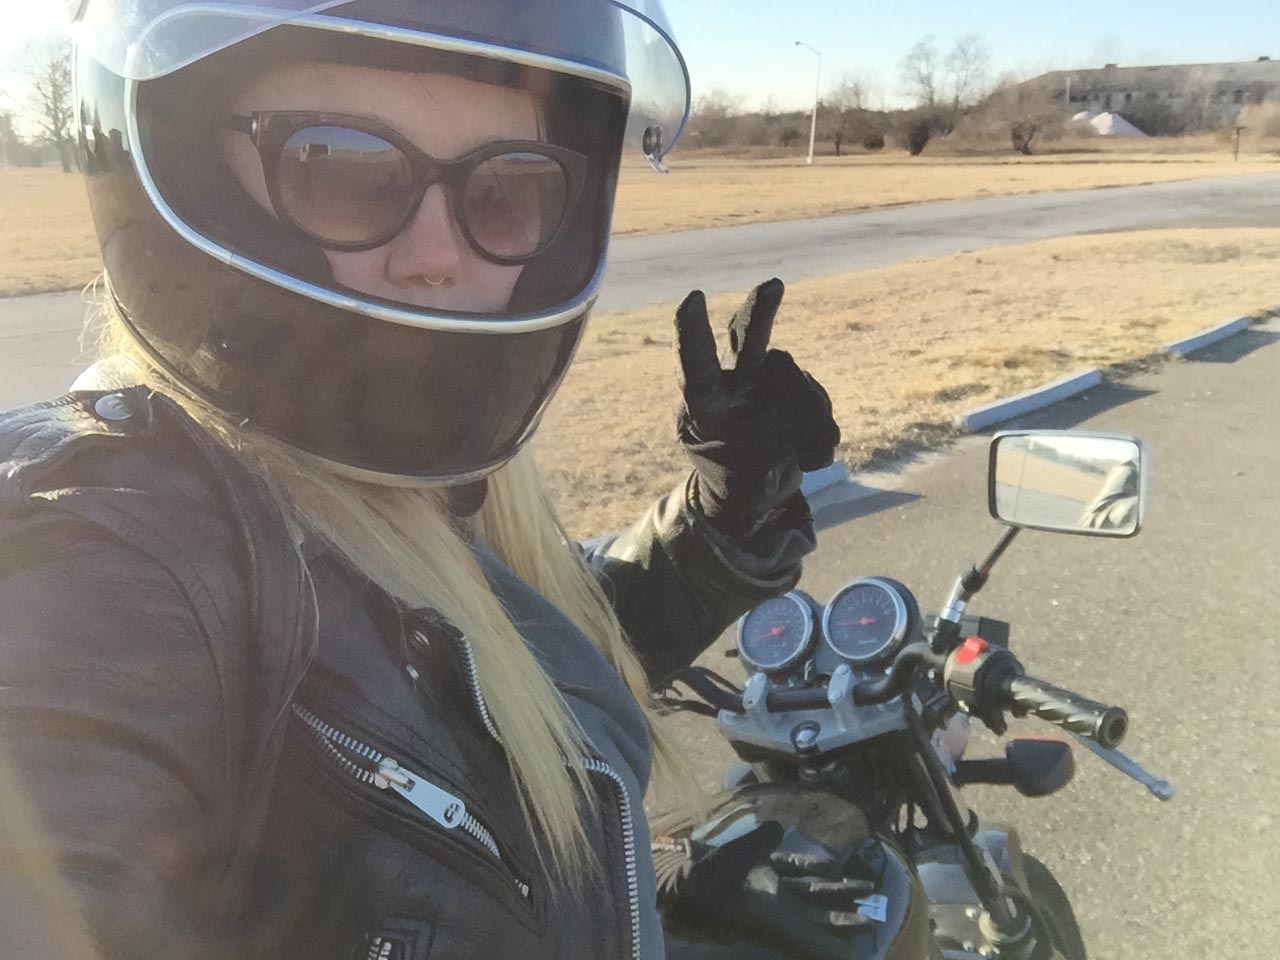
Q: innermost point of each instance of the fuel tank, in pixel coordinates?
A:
(831, 830)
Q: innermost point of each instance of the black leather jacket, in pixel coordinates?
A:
(216, 744)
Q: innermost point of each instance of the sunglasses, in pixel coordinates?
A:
(350, 183)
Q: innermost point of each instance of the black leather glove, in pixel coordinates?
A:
(745, 890)
(751, 423)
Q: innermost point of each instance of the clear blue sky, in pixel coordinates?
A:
(747, 46)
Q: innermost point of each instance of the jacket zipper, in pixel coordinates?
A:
(628, 845)
(371, 767)
(591, 765)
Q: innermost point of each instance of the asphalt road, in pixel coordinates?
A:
(1180, 625)
(664, 267)
(38, 335)
(40, 351)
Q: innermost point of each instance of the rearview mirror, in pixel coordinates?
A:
(1068, 481)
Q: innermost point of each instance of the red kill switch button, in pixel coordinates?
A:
(969, 652)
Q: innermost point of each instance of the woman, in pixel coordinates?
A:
(296, 659)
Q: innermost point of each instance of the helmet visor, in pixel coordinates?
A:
(627, 41)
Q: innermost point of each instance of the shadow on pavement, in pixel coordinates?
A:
(849, 502)
(1069, 413)
(1235, 348)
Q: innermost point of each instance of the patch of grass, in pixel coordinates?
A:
(703, 191)
(609, 441)
(47, 240)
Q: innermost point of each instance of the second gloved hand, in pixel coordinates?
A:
(745, 890)
(752, 423)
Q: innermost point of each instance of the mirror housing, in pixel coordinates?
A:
(1068, 481)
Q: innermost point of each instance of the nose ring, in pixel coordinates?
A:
(434, 283)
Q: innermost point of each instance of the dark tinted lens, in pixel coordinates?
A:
(515, 203)
(343, 185)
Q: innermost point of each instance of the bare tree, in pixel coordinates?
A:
(843, 110)
(9, 140)
(1022, 132)
(47, 66)
(967, 66)
(1018, 110)
(921, 72)
(713, 114)
(853, 92)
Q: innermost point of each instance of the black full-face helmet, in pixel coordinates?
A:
(237, 298)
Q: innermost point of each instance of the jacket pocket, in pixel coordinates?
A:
(404, 790)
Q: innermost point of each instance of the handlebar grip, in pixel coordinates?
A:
(1101, 723)
(778, 701)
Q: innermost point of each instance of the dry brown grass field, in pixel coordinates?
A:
(903, 349)
(46, 237)
(47, 243)
(701, 192)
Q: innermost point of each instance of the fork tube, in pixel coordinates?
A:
(987, 888)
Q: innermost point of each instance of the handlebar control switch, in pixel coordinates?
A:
(973, 671)
(971, 649)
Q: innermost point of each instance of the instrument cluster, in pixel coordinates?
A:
(865, 624)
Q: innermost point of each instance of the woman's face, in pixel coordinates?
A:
(429, 264)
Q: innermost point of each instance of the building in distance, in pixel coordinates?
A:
(1200, 95)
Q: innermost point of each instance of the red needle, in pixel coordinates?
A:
(777, 631)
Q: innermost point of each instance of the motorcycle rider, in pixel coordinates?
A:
(283, 565)
(1115, 507)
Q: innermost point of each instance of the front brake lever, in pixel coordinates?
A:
(1160, 789)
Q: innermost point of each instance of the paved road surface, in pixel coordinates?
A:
(1180, 625)
(40, 351)
(662, 269)
(657, 268)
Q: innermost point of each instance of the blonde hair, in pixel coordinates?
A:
(406, 542)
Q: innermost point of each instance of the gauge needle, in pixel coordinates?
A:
(777, 631)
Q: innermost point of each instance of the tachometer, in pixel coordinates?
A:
(867, 620)
(776, 635)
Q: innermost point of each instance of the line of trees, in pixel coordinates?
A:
(943, 88)
(42, 127)
(846, 118)
(952, 94)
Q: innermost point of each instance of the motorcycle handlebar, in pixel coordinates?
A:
(1015, 691)
(1101, 723)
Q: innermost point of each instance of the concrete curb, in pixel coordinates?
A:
(982, 417)
(1207, 337)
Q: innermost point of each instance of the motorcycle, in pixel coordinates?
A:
(853, 722)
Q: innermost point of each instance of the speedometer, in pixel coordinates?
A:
(867, 620)
(776, 635)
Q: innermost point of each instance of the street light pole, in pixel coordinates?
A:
(817, 92)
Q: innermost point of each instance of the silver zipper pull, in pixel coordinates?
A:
(442, 807)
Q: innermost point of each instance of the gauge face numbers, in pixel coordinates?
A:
(776, 635)
(865, 621)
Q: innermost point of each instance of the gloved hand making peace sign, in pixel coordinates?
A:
(752, 422)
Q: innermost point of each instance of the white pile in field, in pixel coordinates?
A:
(1108, 124)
